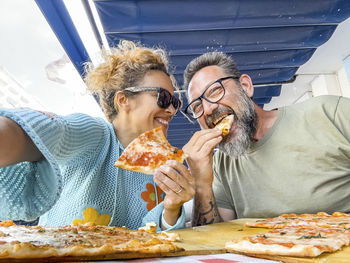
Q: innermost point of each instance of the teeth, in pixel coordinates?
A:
(162, 121)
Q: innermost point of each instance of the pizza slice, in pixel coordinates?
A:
(292, 241)
(285, 220)
(321, 219)
(225, 124)
(148, 152)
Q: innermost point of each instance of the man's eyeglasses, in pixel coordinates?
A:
(213, 93)
(164, 98)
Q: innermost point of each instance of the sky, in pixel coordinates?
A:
(30, 52)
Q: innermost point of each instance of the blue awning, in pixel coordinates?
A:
(269, 39)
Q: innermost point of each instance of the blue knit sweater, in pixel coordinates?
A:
(77, 181)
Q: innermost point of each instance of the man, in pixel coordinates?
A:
(294, 159)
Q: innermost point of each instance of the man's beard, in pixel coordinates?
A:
(238, 142)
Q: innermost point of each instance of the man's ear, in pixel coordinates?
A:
(121, 101)
(247, 85)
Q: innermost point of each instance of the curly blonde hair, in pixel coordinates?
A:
(124, 66)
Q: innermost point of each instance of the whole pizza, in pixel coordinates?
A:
(86, 241)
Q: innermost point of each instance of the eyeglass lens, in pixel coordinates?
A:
(165, 99)
(213, 94)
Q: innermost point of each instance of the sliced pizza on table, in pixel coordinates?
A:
(84, 242)
(148, 152)
(298, 235)
(320, 219)
(293, 241)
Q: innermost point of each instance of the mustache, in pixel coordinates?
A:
(219, 112)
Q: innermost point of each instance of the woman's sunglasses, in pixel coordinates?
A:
(164, 98)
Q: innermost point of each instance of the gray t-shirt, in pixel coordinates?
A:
(302, 165)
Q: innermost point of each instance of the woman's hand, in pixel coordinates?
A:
(176, 181)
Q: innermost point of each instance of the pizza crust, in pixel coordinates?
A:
(140, 169)
(225, 124)
(21, 251)
(254, 248)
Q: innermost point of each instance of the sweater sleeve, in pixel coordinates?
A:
(155, 215)
(29, 189)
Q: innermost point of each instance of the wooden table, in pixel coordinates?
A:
(216, 235)
(211, 239)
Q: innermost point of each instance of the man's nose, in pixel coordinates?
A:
(209, 107)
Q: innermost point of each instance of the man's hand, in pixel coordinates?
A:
(200, 155)
(200, 160)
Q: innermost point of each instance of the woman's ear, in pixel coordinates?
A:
(121, 101)
(247, 85)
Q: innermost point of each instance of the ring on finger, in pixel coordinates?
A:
(179, 191)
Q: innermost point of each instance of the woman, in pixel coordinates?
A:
(61, 168)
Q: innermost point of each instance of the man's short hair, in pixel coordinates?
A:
(220, 59)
